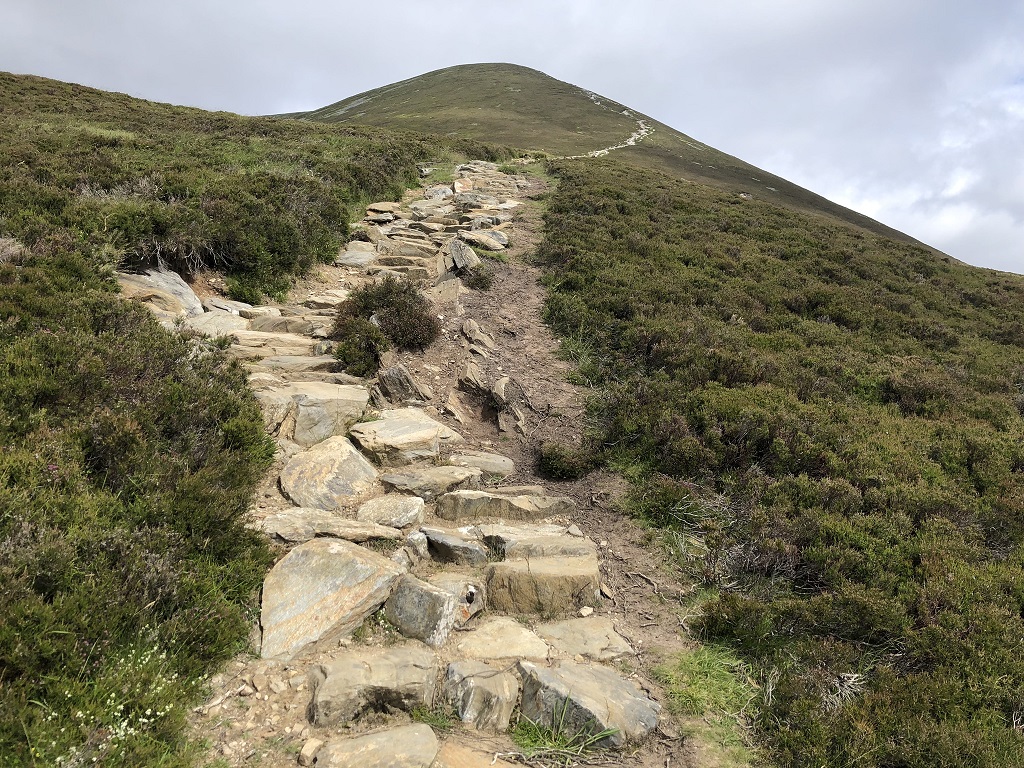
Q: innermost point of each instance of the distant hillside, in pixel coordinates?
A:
(522, 107)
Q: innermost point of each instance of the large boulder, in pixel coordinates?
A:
(308, 412)
(546, 586)
(402, 436)
(590, 699)
(323, 587)
(470, 506)
(410, 746)
(481, 694)
(163, 292)
(330, 475)
(374, 680)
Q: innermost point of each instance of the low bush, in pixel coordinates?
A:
(557, 461)
(403, 314)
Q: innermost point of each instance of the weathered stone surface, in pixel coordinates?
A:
(547, 586)
(411, 746)
(480, 505)
(478, 238)
(271, 324)
(472, 378)
(402, 436)
(220, 304)
(458, 256)
(469, 591)
(451, 547)
(261, 380)
(327, 300)
(350, 257)
(501, 637)
(163, 292)
(422, 611)
(430, 482)
(373, 680)
(472, 331)
(259, 344)
(437, 192)
(481, 694)
(521, 542)
(399, 386)
(216, 323)
(592, 638)
(384, 207)
(301, 524)
(492, 465)
(587, 698)
(309, 751)
(330, 475)
(259, 311)
(393, 510)
(452, 755)
(323, 587)
(311, 411)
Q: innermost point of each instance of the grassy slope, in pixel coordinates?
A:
(130, 455)
(522, 107)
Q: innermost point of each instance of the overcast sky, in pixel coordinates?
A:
(911, 111)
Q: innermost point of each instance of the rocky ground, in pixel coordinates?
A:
(431, 590)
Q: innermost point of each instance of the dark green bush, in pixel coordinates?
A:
(359, 345)
(479, 279)
(403, 314)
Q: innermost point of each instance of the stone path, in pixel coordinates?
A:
(413, 580)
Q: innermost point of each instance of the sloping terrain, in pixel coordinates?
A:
(522, 107)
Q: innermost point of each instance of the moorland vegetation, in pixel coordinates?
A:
(828, 425)
(130, 454)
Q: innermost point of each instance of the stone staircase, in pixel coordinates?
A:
(413, 579)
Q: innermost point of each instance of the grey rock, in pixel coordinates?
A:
(402, 436)
(271, 324)
(216, 323)
(430, 482)
(399, 386)
(437, 192)
(393, 510)
(249, 343)
(309, 412)
(471, 330)
(163, 292)
(295, 364)
(411, 746)
(259, 311)
(324, 587)
(470, 593)
(330, 475)
(501, 637)
(300, 524)
(481, 240)
(523, 542)
(546, 586)
(472, 378)
(588, 698)
(373, 680)
(458, 256)
(386, 206)
(469, 506)
(327, 300)
(220, 304)
(451, 547)
(422, 611)
(592, 638)
(481, 694)
(417, 542)
(492, 465)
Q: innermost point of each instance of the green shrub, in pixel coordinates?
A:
(403, 314)
(479, 279)
(359, 345)
(557, 461)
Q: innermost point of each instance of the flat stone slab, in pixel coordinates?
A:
(501, 637)
(374, 680)
(587, 698)
(411, 746)
(524, 542)
(308, 412)
(323, 587)
(422, 611)
(546, 586)
(327, 299)
(393, 510)
(216, 323)
(402, 436)
(430, 482)
(302, 524)
(468, 506)
(453, 547)
(259, 344)
(592, 638)
(330, 475)
(481, 694)
(278, 324)
(298, 363)
(452, 755)
(493, 466)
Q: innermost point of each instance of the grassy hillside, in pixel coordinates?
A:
(829, 425)
(130, 456)
(522, 107)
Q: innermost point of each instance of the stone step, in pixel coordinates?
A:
(410, 746)
(330, 475)
(492, 466)
(309, 412)
(403, 435)
(430, 482)
(527, 542)
(472, 506)
(300, 524)
(544, 586)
